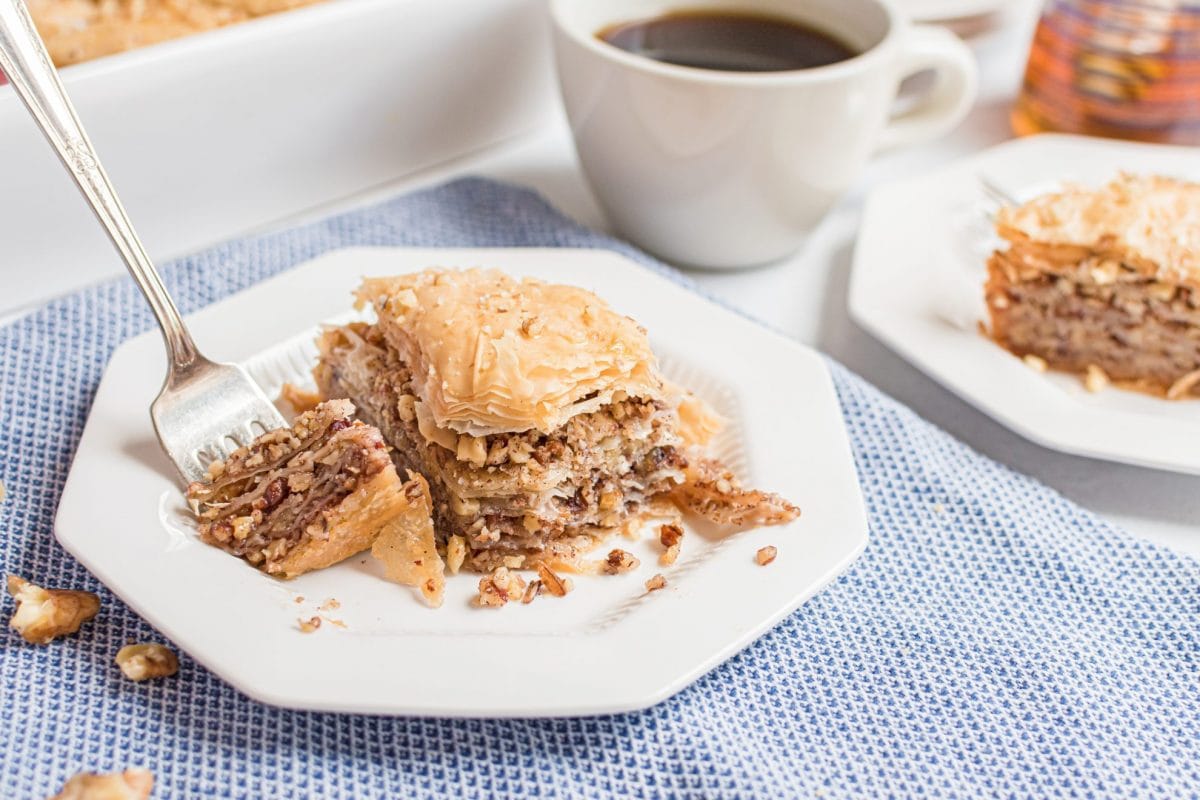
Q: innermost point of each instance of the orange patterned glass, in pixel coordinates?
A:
(1127, 69)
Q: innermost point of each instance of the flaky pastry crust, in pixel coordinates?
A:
(493, 354)
(1149, 222)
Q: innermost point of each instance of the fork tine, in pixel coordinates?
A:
(996, 193)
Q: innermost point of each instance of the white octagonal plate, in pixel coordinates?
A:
(607, 647)
(917, 284)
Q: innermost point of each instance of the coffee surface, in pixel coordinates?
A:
(727, 41)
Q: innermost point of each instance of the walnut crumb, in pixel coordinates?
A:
(43, 615)
(141, 662)
(656, 583)
(309, 625)
(766, 555)
(456, 553)
(670, 534)
(554, 585)
(531, 591)
(499, 587)
(1035, 363)
(331, 604)
(620, 561)
(299, 599)
(1095, 379)
(132, 784)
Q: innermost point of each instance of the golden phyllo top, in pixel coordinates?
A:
(493, 354)
(1151, 223)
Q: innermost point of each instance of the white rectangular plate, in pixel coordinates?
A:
(607, 647)
(917, 284)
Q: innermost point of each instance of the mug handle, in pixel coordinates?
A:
(953, 93)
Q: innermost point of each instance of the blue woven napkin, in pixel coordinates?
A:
(994, 640)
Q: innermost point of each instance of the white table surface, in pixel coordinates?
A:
(805, 296)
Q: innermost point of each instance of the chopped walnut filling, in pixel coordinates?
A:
(140, 662)
(619, 561)
(132, 784)
(766, 555)
(286, 503)
(656, 583)
(42, 615)
(499, 587)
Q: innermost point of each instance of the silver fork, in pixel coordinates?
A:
(205, 409)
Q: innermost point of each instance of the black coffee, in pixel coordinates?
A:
(728, 41)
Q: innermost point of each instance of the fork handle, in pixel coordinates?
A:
(23, 58)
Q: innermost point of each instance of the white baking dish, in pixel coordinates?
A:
(226, 130)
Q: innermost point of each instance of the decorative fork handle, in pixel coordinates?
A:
(23, 58)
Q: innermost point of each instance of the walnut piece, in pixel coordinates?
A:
(456, 553)
(619, 561)
(1095, 379)
(498, 588)
(656, 583)
(670, 535)
(309, 625)
(532, 591)
(142, 662)
(766, 555)
(1035, 363)
(132, 784)
(43, 615)
(559, 587)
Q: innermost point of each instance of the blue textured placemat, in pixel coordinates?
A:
(994, 640)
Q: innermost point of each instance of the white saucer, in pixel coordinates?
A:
(607, 647)
(917, 285)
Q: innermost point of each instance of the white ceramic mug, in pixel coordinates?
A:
(733, 169)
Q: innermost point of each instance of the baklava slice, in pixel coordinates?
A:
(535, 411)
(302, 498)
(1104, 282)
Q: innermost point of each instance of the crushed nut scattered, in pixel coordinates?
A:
(43, 615)
(670, 535)
(499, 587)
(132, 784)
(766, 555)
(620, 561)
(1035, 363)
(656, 583)
(531, 591)
(309, 625)
(141, 662)
(1096, 379)
(330, 605)
(556, 586)
(299, 599)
